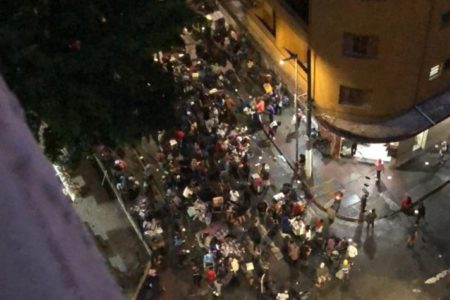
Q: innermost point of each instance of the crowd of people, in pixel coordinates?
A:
(214, 191)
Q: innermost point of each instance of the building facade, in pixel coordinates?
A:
(372, 60)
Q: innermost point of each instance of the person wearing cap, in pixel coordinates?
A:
(322, 274)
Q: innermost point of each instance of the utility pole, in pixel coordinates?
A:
(307, 69)
(308, 152)
(295, 58)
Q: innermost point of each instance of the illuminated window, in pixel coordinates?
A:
(435, 71)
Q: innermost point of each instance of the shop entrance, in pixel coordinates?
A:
(367, 152)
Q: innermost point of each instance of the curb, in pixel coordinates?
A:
(421, 199)
(350, 219)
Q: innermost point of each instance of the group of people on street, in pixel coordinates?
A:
(217, 217)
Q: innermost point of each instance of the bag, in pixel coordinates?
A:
(340, 274)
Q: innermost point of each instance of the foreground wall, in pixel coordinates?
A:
(45, 252)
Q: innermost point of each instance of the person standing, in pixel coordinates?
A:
(196, 276)
(370, 219)
(211, 276)
(260, 106)
(331, 215)
(152, 284)
(346, 268)
(412, 236)
(406, 204)
(273, 127)
(337, 200)
(294, 252)
(298, 118)
(218, 287)
(420, 212)
(265, 176)
(364, 202)
(322, 274)
(353, 148)
(270, 111)
(442, 155)
(379, 167)
(279, 106)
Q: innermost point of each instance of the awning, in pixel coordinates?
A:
(410, 123)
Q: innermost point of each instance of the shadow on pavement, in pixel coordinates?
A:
(370, 246)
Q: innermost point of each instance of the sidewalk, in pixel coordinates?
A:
(349, 175)
(113, 235)
(416, 177)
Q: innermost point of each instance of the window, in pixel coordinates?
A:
(353, 96)
(301, 8)
(435, 71)
(445, 19)
(361, 46)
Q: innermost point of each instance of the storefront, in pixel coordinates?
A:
(367, 152)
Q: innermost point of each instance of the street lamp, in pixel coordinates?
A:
(295, 58)
(307, 69)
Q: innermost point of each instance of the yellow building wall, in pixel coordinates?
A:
(400, 26)
(411, 41)
(288, 35)
(436, 51)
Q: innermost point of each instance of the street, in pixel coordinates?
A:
(384, 267)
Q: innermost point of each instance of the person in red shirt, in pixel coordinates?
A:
(406, 203)
(210, 276)
(260, 106)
